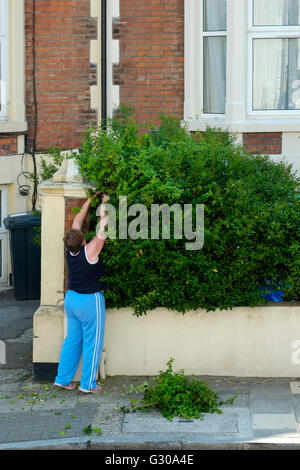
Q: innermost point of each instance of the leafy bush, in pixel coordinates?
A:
(176, 395)
(49, 164)
(251, 216)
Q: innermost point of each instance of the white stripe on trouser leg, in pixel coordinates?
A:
(98, 335)
(97, 340)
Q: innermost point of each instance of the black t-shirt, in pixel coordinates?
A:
(84, 276)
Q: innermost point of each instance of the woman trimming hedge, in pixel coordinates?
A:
(251, 204)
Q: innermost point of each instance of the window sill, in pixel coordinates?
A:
(12, 126)
(249, 125)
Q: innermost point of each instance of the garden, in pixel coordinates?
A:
(251, 210)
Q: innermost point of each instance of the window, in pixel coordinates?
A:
(3, 58)
(275, 53)
(242, 65)
(214, 56)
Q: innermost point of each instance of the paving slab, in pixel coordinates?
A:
(109, 419)
(270, 398)
(244, 423)
(16, 331)
(16, 316)
(241, 400)
(295, 388)
(55, 404)
(296, 403)
(37, 425)
(154, 422)
(273, 421)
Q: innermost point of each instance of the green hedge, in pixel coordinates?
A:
(251, 216)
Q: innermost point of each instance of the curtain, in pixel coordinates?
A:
(276, 70)
(276, 12)
(276, 67)
(214, 96)
(214, 15)
(214, 57)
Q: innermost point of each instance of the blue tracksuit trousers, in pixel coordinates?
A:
(85, 334)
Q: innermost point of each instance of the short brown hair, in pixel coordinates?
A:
(73, 239)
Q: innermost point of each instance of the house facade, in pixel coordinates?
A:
(50, 53)
(67, 64)
(233, 64)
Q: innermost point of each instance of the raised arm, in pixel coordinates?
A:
(94, 247)
(80, 216)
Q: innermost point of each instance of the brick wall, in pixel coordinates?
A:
(151, 68)
(263, 142)
(8, 144)
(63, 71)
(70, 204)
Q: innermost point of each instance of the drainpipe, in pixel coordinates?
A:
(102, 367)
(35, 124)
(104, 62)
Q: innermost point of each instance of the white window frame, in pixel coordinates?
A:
(239, 116)
(4, 236)
(193, 72)
(4, 44)
(266, 32)
(207, 34)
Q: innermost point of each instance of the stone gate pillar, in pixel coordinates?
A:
(58, 196)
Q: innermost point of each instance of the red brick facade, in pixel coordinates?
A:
(268, 143)
(151, 69)
(8, 144)
(63, 75)
(63, 31)
(150, 73)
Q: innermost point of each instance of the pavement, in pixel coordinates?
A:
(40, 416)
(16, 329)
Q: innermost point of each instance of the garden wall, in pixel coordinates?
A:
(244, 342)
